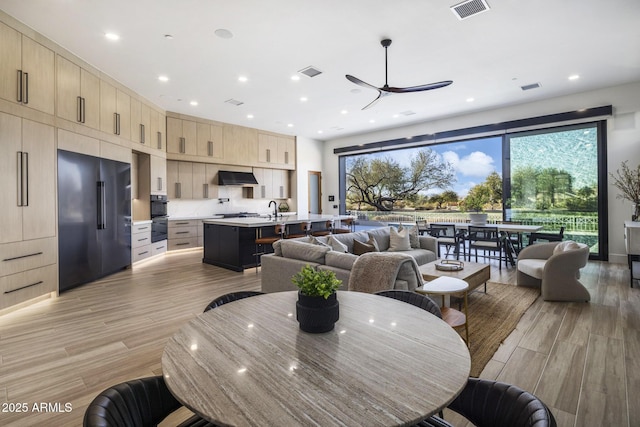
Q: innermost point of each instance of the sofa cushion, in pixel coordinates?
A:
(567, 245)
(399, 240)
(336, 245)
(304, 251)
(382, 237)
(422, 256)
(360, 248)
(413, 235)
(532, 267)
(340, 260)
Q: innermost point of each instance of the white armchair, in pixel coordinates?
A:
(555, 268)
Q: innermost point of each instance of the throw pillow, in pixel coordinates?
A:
(413, 235)
(399, 240)
(360, 248)
(382, 237)
(336, 245)
(314, 241)
(304, 251)
(567, 245)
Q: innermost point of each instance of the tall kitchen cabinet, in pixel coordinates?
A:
(78, 94)
(28, 246)
(27, 71)
(115, 111)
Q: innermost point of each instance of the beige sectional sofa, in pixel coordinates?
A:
(290, 255)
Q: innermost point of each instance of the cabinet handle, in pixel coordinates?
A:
(183, 232)
(159, 184)
(142, 141)
(182, 244)
(182, 145)
(26, 88)
(79, 109)
(142, 253)
(210, 148)
(282, 192)
(178, 190)
(286, 157)
(115, 123)
(269, 155)
(22, 256)
(102, 209)
(23, 287)
(19, 178)
(143, 228)
(159, 140)
(19, 97)
(182, 223)
(84, 110)
(142, 240)
(24, 179)
(160, 247)
(263, 191)
(205, 191)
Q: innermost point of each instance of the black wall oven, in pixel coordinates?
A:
(159, 218)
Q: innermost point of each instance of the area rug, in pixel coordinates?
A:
(492, 317)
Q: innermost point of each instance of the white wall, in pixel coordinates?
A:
(623, 141)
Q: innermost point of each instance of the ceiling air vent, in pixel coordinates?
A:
(531, 86)
(234, 102)
(469, 8)
(310, 71)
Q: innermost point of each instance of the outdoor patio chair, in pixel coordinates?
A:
(486, 239)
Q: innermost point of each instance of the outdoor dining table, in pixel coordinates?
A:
(386, 363)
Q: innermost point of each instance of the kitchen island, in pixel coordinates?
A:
(230, 242)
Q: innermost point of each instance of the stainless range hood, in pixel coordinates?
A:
(236, 178)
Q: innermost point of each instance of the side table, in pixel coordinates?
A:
(446, 286)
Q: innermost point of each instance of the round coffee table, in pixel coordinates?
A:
(446, 286)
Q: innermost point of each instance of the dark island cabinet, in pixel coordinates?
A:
(229, 246)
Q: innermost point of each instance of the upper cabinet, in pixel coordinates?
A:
(115, 111)
(240, 145)
(276, 150)
(209, 141)
(181, 136)
(78, 97)
(157, 132)
(141, 123)
(27, 71)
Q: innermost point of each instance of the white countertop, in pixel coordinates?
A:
(263, 222)
(188, 218)
(139, 222)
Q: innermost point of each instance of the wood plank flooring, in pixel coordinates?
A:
(583, 360)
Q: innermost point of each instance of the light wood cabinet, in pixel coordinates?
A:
(286, 152)
(280, 184)
(267, 148)
(27, 166)
(78, 94)
(158, 175)
(240, 145)
(140, 242)
(27, 71)
(157, 133)
(115, 111)
(272, 184)
(209, 141)
(205, 185)
(181, 136)
(276, 150)
(140, 122)
(212, 180)
(179, 180)
(183, 234)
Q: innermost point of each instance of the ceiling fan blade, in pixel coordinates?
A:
(360, 82)
(375, 101)
(420, 88)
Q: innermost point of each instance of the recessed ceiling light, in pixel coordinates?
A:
(112, 36)
(168, 36)
(343, 112)
(372, 121)
(290, 125)
(249, 116)
(242, 79)
(470, 99)
(574, 77)
(320, 131)
(303, 99)
(163, 78)
(295, 77)
(194, 103)
(223, 33)
(395, 116)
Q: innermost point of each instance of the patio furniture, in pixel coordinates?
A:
(549, 237)
(486, 239)
(449, 237)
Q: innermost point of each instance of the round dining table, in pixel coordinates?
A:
(247, 363)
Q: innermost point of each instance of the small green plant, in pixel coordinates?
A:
(314, 283)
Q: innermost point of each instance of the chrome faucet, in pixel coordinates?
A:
(275, 208)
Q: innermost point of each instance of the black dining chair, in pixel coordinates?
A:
(449, 237)
(143, 402)
(546, 237)
(413, 298)
(486, 238)
(230, 297)
(488, 403)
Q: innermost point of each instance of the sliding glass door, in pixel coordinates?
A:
(556, 178)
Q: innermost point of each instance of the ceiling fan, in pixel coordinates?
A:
(386, 89)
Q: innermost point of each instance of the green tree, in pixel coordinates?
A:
(438, 200)
(381, 182)
(450, 196)
(494, 187)
(478, 196)
(523, 187)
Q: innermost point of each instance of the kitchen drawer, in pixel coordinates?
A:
(158, 247)
(21, 256)
(184, 223)
(140, 239)
(20, 287)
(190, 242)
(140, 228)
(183, 232)
(140, 253)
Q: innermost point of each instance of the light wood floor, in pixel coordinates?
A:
(583, 360)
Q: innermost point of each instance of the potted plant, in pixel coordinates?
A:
(627, 181)
(317, 308)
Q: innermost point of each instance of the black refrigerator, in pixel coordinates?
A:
(94, 218)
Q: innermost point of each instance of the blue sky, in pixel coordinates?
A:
(472, 161)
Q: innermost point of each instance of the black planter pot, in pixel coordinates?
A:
(316, 314)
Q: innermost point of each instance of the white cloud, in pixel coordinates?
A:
(475, 164)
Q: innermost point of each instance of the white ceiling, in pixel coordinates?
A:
(488, 56)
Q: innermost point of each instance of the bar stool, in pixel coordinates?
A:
(349, 222)
(260, 242)
(305, 228)
(328, 229)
